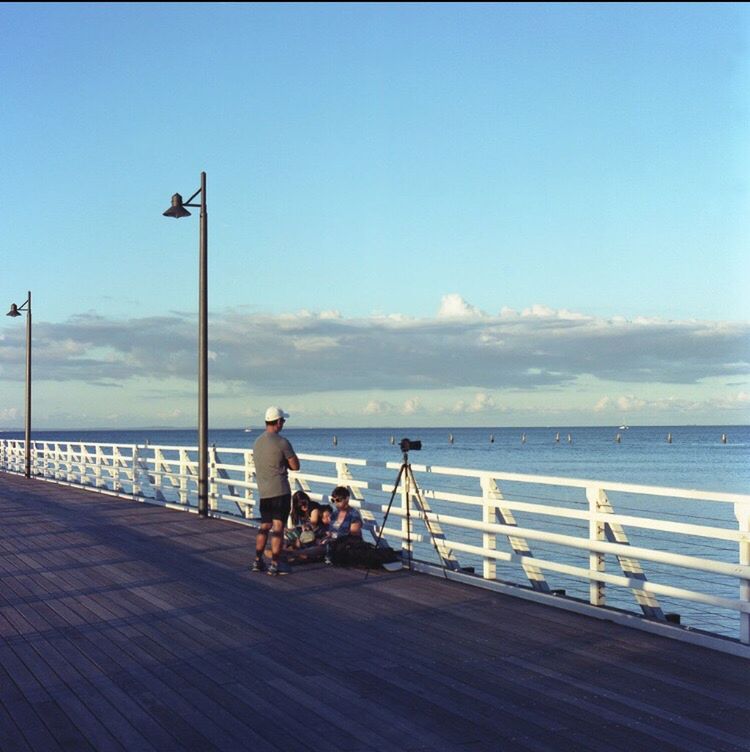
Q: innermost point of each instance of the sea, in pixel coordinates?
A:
(713, 458)
(708, 458)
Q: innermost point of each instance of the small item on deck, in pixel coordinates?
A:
(307, 537)
(392, 566)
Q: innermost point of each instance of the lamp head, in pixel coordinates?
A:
(177, 210)
(13, 310)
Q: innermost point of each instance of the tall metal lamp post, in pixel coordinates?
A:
(16, 311)
(178, 210)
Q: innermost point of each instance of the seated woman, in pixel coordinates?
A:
(304, 515)
(304, 509)
(344, 545)
(309, 545)
(346, 522)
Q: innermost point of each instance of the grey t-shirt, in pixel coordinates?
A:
(270, 453)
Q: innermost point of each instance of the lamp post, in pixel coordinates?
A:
(178, 210)
(16, 311)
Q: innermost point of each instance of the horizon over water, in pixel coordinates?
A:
(696, 458)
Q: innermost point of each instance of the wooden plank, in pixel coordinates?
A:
(146, 651)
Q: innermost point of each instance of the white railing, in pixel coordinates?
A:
(684, 558)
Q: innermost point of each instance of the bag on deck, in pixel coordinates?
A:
(352, 551)
(307, 537)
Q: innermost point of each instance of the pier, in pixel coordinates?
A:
(128, 626)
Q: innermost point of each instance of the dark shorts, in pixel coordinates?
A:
(276, 508)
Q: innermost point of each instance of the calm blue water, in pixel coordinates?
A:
(695, 459)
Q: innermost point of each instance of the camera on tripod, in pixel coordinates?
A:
(407, 445)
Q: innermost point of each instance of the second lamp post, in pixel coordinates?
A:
(16, 311)
(178, 210)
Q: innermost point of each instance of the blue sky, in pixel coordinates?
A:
(441, 214)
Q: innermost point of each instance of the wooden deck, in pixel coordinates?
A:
(132, 627)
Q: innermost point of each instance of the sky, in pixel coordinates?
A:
(418, 214)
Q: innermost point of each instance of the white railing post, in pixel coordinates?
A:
(183, 486)
(503, 514)
(56, 461)
(41, 459)
(159, 468)
(135, 486)
(69, 463)
(596, 534)
(83, 466)
(213, 486)
(116, 485)
(249, 476)
(490, 494)
(742, 513)
(98, 467)
(630, 567)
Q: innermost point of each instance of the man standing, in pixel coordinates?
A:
(273, 456)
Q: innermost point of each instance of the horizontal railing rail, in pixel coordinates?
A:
(671, 555)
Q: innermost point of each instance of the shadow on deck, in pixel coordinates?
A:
(133, 627)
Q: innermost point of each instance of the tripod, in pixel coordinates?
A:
(406, 474)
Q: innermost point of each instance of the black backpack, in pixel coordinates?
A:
(352, 551)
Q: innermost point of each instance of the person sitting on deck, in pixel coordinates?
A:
(310, 545)
(326, 511)
(346, 522)
(304, 509)
(305, 517)
(344, 545)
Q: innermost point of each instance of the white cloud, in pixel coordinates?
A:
(412, 406)
(10, 414)
(314, 344)
(481, 403)
(602, 404)
(378, 407)
(634, 405)
(539, 311)
(453, 306)
(626, 403)
(460, 348)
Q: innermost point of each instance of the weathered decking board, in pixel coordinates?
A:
(132, 627)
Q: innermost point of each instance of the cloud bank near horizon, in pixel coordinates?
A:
(460, 347)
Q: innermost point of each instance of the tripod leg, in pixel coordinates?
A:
(390, 503)
(401, 472)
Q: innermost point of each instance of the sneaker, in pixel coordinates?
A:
(280, 568)
(259, 565)
(328, 561)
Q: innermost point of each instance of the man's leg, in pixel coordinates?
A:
(260, 545)
(277, 538)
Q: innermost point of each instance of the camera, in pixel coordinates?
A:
(407, 445)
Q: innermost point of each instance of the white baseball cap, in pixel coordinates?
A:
(275, 413)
